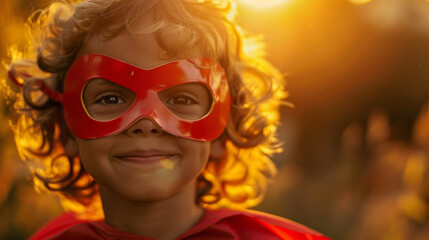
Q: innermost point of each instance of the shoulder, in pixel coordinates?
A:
(277, 221)
(248, 224)
(56, 226)
(286, 226)
(68, 226)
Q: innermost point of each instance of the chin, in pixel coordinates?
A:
(147, 194)
(151, 197)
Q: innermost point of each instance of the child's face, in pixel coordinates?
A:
(143, 162)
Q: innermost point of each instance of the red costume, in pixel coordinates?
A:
(215, 224)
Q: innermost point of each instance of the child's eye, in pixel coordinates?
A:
(105, 100)
(189, 101)
(110, 99)
(181, 100)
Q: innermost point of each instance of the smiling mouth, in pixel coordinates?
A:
(148, 158)
(144, 158)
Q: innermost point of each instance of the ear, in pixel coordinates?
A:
(218, 147)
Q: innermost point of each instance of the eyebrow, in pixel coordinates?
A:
(102, 81)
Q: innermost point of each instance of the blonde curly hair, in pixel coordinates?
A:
(237, 179)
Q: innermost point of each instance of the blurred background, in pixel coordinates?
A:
(356, 144)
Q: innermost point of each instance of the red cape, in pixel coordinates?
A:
(215, 224)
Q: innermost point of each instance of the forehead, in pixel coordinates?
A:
(132, 46)
(141, 51)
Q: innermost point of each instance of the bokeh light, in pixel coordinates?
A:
(360, 2)
(263, 3)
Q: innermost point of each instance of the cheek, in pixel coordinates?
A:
(196, 154)
(93, 153)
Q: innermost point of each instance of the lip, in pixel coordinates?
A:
(145, 157)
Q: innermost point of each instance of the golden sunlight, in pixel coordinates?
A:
(360, 2)
(263, 3)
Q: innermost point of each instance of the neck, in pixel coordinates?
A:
(158, 219)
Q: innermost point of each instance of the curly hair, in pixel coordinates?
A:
(237, 179)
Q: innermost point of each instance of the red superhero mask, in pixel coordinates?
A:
(187, 98)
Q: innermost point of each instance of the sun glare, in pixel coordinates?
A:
(263, 3)
(360, 2)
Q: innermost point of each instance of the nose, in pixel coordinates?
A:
(144, 127)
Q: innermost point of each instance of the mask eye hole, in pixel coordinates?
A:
(104, 100)
(189, 101)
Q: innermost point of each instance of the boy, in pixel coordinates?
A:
(151, 108)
